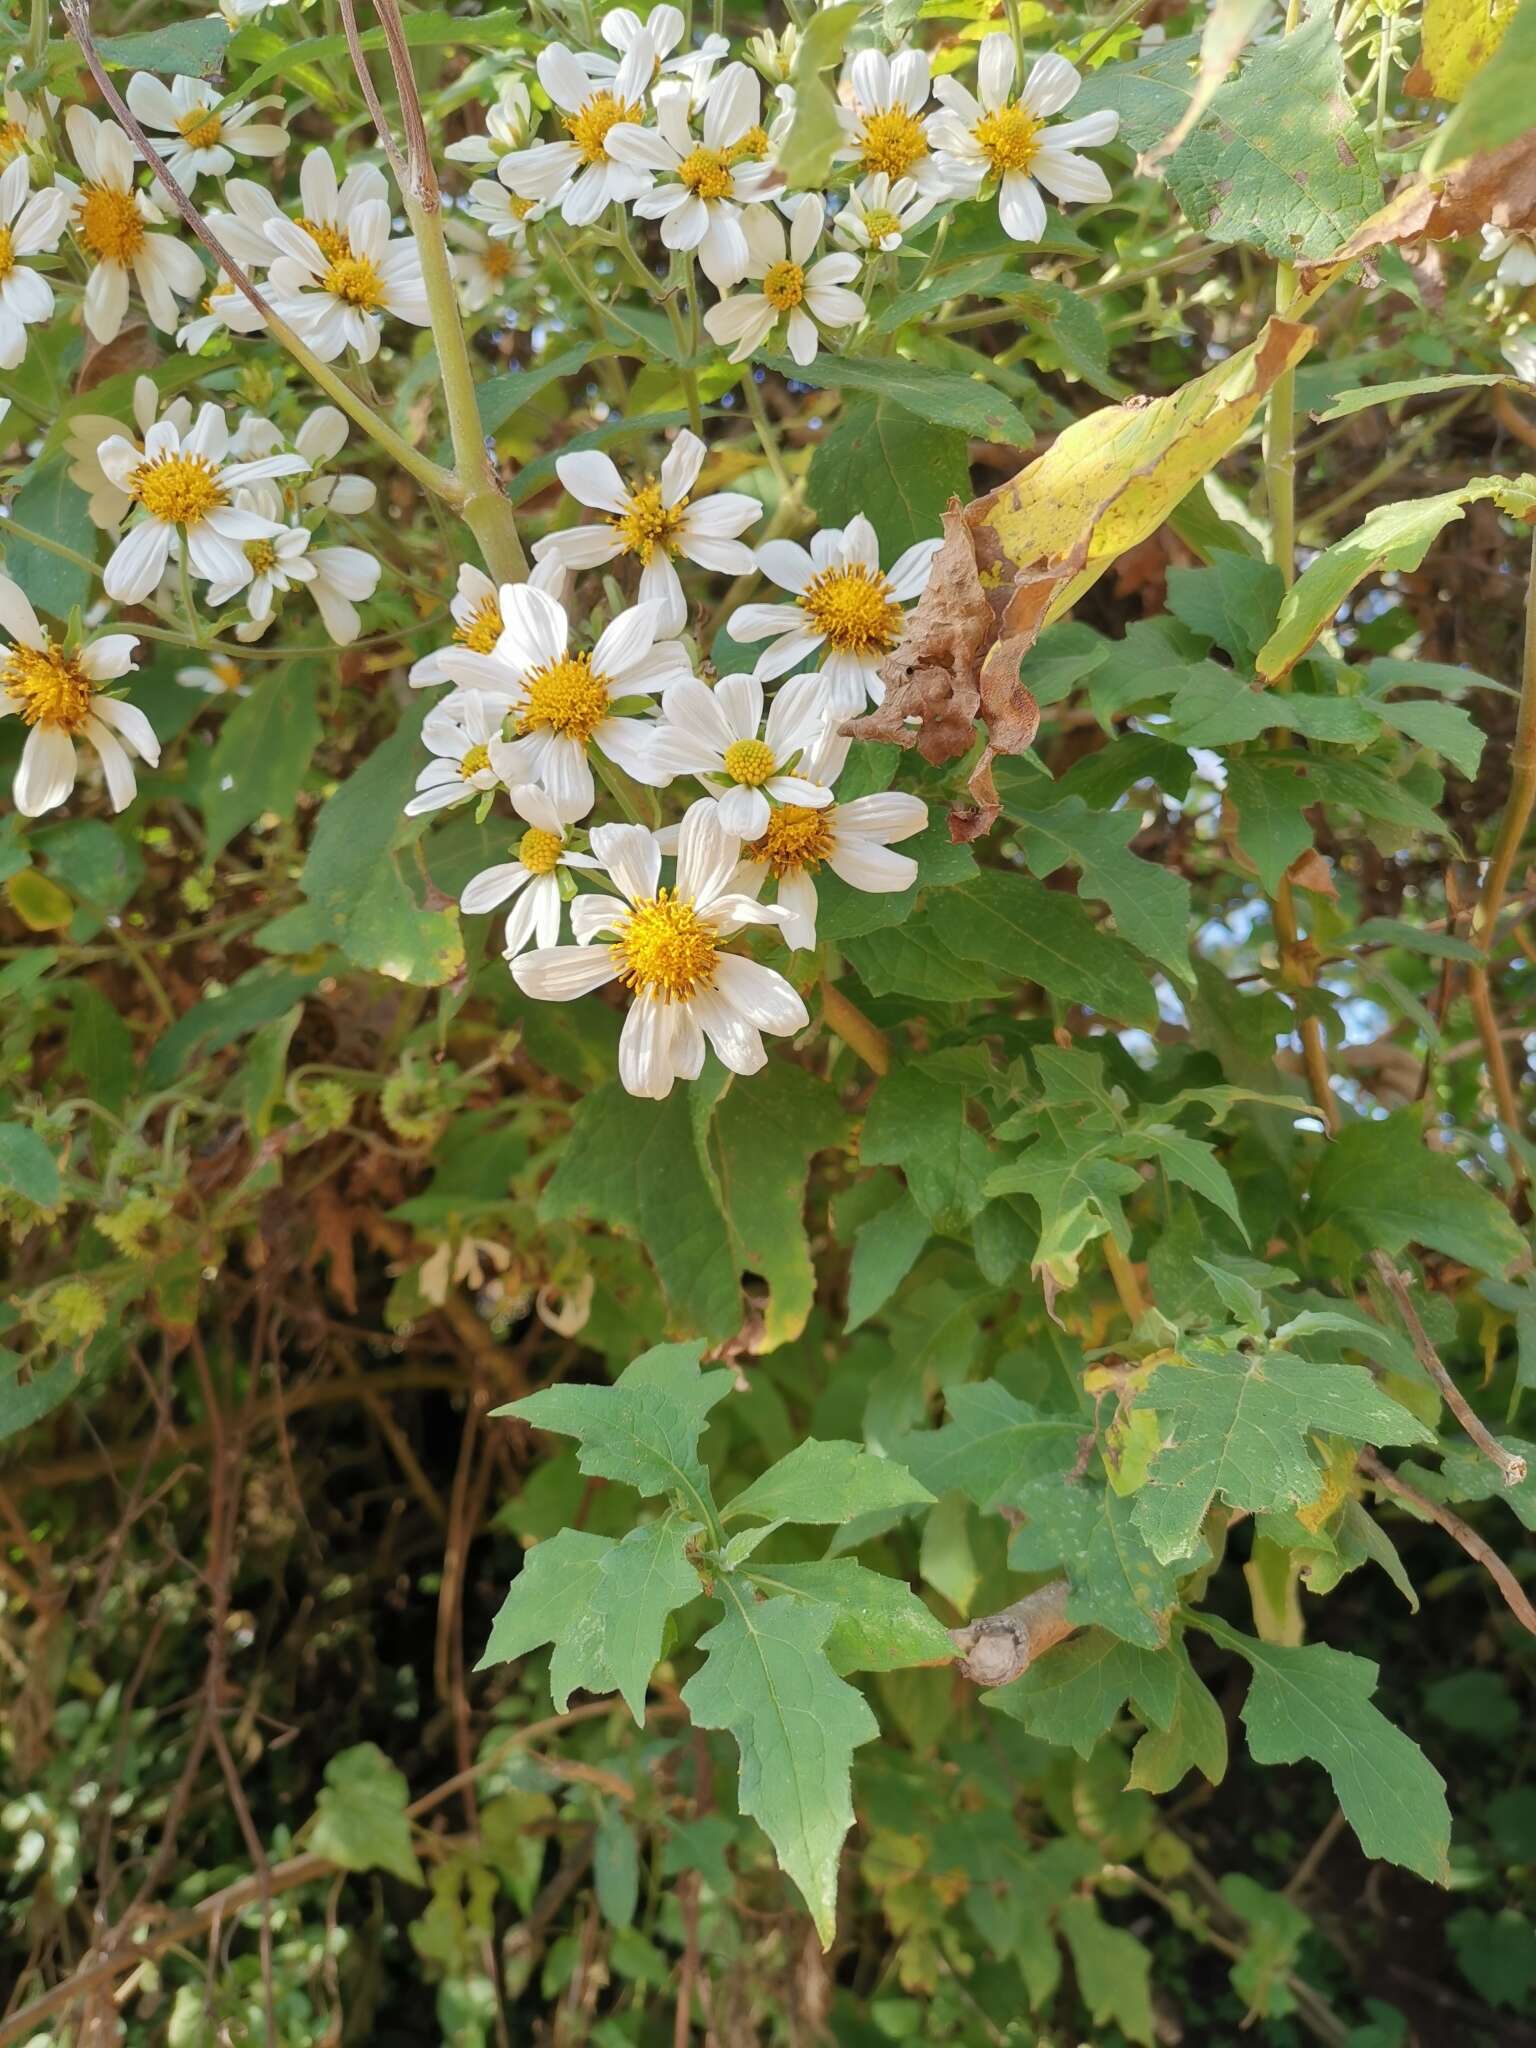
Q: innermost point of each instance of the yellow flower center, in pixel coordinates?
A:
(49, 688)
(646, 524)
(482, 629)
(854, 609)
(797, 838)
(109, 224)
(228, 673)
(892, 141)
(178, 490)
(497, 260)
(706, 173)
(784, 286)
(567, 697)
(878, 224)
(588, 126)
(475, 762)
(331, 242)
(748, 148)
(667, 952)
(540, 851)
(749, 762)
(200, 127)
(13, 138)
(354, 281)
(7, 254)
(1009, 139)
(261, 555)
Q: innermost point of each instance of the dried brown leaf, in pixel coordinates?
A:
(1497, 190)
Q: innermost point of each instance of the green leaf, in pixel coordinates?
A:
(762, 1140)
(27, 1167)
(1150, 905)
(637, 1166)
(1443, 728)
(767, 1679)
(1278, 162)
(1015, 926)
(48, 503)
(264, 746)
(885, 1249)
(502, 28)
(1348, 402)
(100, 1046)
(549, 1602)
(945, 398)
(360, 1819)
(21, 1406)
(917, 1120)
(1316, 1702)
(1070, 1697)
(816, 134)
(1087, 1530)
(1270, 806)
(912, 959)
(1114, 1970)
(1192, 1162)
(1237, 1422)
(1194, 1739)
(257, 998)
(1496, 106)
(643, 1430)
(354, 874)
(992, 1444)
(499, 398)
(827, 1482)
(194, 48)
(900, 470)
(639, 1583)
(1379, 1181)
(615, 1868)
(1275, 1931)
(1392, 537)
(1496, 1953)
(881, 1624)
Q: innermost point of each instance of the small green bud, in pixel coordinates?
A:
(70, 1314)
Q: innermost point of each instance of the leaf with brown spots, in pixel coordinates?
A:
(1497, 190)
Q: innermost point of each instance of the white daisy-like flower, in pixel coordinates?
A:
(220, 678)
(23, 124)
(459, 733)
(653, 522)
(484, 265)
(504, 216)
(273, 564)
(320, 440)
(793, 287)
(58, 693)
(224, 310)
(475, 608)
(706, 183)
(532, 877)
(30, 225)
(580, 175)
(86, 435)
(878, 213)
(885, 99)
(669, 947)
(997, 138)
(1515, 254)
(208, 135)
(185, 487)
(507, 127)
(843, 601)
(1519, 351)
(114, 224)
(560, 702)
(718, 735)
(236, 13)
(243, 229)
(852, 839)
(338, 271)
(665, 28)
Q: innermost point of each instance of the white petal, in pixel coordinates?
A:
(760, 994)
(706, 854)
(593, 478)
(557, 974)
(1020, 207)
(46, 773)
(631, 858)
(680, 470)
(645, 1047)
(1052, 81)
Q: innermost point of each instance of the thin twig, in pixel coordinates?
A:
(371, 92)
(997, 1648)
(1512, 1468)
(1514, 1594)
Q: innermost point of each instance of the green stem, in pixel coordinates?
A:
(765, 432)
(1116, 22)
(1280, 449)
(1522, 785)
(13, 529)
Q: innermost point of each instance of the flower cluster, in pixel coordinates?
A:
(542, 720)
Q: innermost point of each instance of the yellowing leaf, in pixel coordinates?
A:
(1113, 477)
(1459, 37)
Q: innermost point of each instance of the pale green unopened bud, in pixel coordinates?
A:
(70, 1314)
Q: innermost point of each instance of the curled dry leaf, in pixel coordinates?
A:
(1020, 557)
(1496, 190)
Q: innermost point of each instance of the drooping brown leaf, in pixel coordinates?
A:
(1497, 190)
